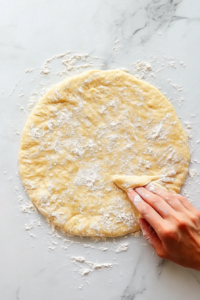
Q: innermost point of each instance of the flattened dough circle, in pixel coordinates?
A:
(87, 129)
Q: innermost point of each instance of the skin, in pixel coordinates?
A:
(170, 224)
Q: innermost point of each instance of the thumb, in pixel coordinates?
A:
(151, 236)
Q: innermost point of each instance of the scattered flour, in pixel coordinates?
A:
(78, 259)
(141, 68)
(29, 70)
(188, 130)
(27, 208)
(46, 67)
(122, 248)
(92, 265)
(103, 248)
(73, 64)
(84, 272)
(33, 224)
(117, 46)
(193, 173)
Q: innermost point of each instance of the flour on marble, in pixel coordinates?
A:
(32, 224)
(27, 208)
(70, 67)
(85, 271)
(117, 46)
(193, 173)
(29, 70)
(93, 266)
(122, 247)
(141, 68)
(78, 259)
(103, 248)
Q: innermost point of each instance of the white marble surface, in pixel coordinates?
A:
(118, 33)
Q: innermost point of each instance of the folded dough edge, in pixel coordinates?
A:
(126, 182)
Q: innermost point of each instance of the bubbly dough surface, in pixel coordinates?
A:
(88, 131)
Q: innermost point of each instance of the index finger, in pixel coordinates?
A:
(146, 210)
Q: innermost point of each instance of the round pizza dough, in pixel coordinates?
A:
(90, 131)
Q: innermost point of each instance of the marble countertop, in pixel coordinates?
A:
(157, 40)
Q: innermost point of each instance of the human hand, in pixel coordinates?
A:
(170, 224)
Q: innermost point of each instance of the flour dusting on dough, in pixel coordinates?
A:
(88, 176)
(87, 129)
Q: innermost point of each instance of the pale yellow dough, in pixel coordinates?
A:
(126, 182)
(92, 129)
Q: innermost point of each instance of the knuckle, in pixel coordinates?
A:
(195, 218)
(169, 233)
(198, 215)
(181, 222)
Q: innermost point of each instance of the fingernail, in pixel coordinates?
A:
(151, 187)
(131, 195)
(136, 200)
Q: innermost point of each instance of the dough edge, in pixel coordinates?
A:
(123, 181)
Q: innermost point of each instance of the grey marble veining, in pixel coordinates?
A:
(35, 264)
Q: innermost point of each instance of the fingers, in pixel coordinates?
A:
(151, 236)
(147, 212)
(186, 204)
(157, 202)
(148, 233)
(170, 198)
